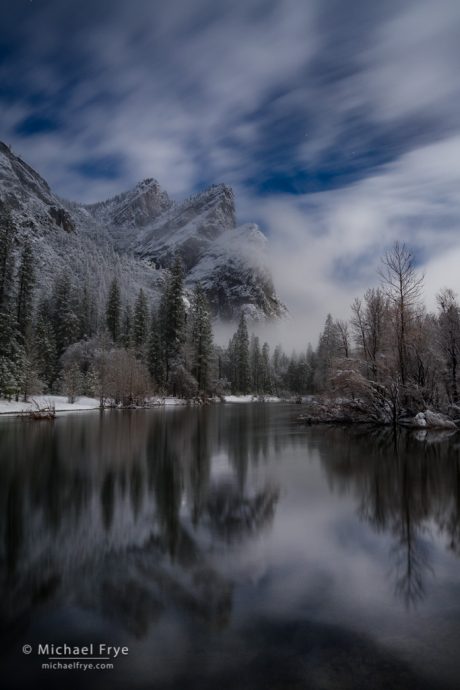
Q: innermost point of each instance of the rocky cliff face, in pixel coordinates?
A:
(138, 234)
(29, 197)
(189, 228)
(127, 213)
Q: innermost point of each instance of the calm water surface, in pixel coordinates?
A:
(230, 548)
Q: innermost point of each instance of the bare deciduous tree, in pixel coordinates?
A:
(403, 286)
(368, 325)
(121, 377)
(449, 337)
(343, 338)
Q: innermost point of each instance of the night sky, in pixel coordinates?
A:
(337, 123)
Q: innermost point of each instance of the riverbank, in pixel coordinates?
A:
(345, 411)
(84, 404)
(60, 403)
(251, 398)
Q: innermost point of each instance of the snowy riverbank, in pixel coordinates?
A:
(250, 398)
(82, 404)
(60, 403)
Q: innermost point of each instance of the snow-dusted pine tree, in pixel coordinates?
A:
(26, 284)
(173, 317)
(65, 318)
(7, 233)
(127, 339)
(113, 311)
(255, 361)
(86, 313)
(200, 338)
(243, 383)
(155, 355)
(265, 370)
(45, 349)
(140, 326)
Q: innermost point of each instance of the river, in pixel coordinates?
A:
(229, 547)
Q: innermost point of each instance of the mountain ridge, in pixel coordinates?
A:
(137, 234)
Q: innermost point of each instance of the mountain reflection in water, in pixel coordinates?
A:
(230, 532)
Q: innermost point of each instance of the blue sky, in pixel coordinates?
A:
(337, 122)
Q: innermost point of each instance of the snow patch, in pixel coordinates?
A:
(60, 402)
(250, 398)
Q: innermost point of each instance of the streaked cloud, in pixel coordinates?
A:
(337, 123)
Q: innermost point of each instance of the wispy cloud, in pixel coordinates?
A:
(326, 247)
(352, 108)
(166, 87)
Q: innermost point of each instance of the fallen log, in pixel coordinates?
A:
(47, 412)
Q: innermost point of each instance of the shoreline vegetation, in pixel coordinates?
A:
(392, 363)
(67, 339)
(340, 411)
(315, 410)
(60, 403)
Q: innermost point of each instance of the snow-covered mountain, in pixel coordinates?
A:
(131, 210)
(29, 197)
(137, 234)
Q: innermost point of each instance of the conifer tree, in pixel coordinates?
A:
(279, 366)
(232, 363)
(29, 380)
(7, 233)
(173, 316)
(265, 374)
(328, 349)
(12, 357)
(66, 323)
(45, 345)
(26, 284)
(242, 357)
(311, 363)
(140, 326)
(127, 328)
(201, 338)
(86, 314)
(113, 311)
(155, 356)
(255, 360)
(298, 374)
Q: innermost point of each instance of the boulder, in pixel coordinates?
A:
(436, 420)
(420, 420)
(417, 422)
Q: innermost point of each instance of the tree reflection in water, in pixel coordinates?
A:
(120, 514)
(116, 513)
(404, 483)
